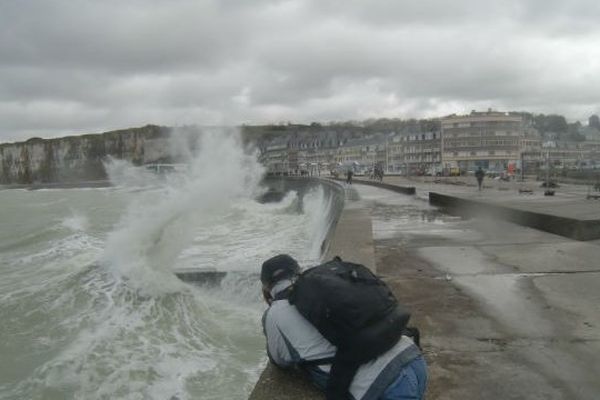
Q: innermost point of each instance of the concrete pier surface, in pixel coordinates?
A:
(569, 200)
(571, 211)
(352, 240)
(505, 311)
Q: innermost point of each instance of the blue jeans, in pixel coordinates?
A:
(410, 384)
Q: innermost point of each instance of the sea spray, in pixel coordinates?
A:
(150, 237)
(122, 173)
(90, 308)
(318, 208)
(76, 222)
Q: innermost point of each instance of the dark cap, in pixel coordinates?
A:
(278, 268)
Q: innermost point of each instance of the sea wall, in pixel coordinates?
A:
(277, 188)
(333, 191)
(574, 228)
(80, 158)
(351, 237)
(410, 190)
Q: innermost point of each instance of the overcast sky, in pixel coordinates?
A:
(82, 66)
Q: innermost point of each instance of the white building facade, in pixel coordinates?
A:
(492, 140)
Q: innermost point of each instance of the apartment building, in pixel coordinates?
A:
(422, 153)
(301, 152)
(571, 155)
(363, 153)
(491, 140)
(414, 153)
(395, 154)
(275, 156)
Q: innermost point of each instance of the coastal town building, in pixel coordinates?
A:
(276, 156)
(395, 155)
(499, 142)
(422, 153)
(492, 140)
(571, 155)
(590, 132)
(362, 154)
(301, 152)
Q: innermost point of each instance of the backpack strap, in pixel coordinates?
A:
(284, 294)
(317, 362)
(340, 377)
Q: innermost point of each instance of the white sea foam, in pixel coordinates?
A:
(76, 222)
(122, 173)
(317, 207)
(150, 237)
(124, 327)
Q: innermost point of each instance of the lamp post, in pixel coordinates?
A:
(548, 145)
(387, 163)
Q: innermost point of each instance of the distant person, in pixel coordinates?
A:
(400, 373)
(479, 174)
(349, 177)
(380, 174)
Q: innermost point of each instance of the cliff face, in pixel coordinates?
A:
(79, 158)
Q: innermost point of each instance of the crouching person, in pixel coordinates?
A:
(293, 342)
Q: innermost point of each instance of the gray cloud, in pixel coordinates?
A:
(68, 67)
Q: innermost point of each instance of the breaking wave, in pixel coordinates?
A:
(91, 308)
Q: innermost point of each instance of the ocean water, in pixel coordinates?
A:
(90, 307)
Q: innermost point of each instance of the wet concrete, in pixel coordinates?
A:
(573, 219)
(505, 311)
(352, 240)
(353, 237)
(569, 213)
(394, 187)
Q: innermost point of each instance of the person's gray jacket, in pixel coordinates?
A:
(291, 340)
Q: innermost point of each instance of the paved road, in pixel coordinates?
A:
(507, 312)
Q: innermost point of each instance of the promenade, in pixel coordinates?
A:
(505, 311)
(571, 212)
(568, 201)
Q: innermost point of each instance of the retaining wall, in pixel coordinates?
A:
(410, 190)
(569, 227)
(351, 238)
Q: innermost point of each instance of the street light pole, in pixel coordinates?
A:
(387, 164)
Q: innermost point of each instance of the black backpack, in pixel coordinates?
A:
(354, 310)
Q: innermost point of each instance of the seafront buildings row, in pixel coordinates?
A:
(501, 142)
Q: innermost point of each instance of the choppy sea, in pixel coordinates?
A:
(90, 307)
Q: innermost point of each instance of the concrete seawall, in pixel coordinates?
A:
(351, 238)
(471, 286)
(410, 190)
(569, 216)
(333, 190)
(574, 228)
